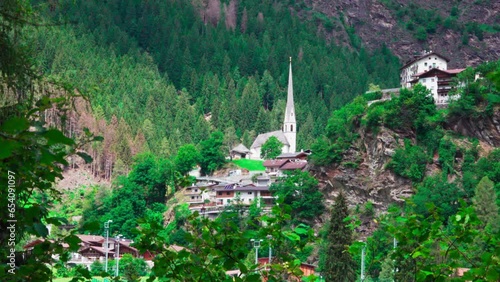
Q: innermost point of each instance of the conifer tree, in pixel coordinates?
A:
(338, 264)
(485, 204)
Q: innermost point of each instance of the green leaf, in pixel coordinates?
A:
(41, 229)
(91, 226)
(86, 157)
(300, 230)
(458, 217)
(54, 136)
(416, 254)
(7, 147)
(15, 125)
(291, 236)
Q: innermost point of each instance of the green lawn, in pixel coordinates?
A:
(251, 165)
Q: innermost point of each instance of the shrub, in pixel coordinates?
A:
(372, 95)
(409, 162)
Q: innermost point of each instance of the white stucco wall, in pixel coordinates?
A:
(423, 64)
(431, 83)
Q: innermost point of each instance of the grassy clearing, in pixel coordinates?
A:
(252, 165)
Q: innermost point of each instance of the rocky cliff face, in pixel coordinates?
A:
(376, 22)
(369, 181)
(486, 129)
(362, 175)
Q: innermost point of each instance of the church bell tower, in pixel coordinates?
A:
(289, 124)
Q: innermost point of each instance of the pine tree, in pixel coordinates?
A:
(338, 264)
(485, 204)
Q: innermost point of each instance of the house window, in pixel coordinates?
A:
(220, 193)
(192, 197)
(423, 80)
(228, 193)
(432, 79)
(249, 193)
(291, 128)
(425, 64)
(196, 190)
(433, 65)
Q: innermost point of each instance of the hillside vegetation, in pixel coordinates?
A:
(157, 71)
(447, 172)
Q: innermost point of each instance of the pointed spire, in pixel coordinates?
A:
(290, 107)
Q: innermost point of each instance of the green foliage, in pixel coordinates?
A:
(436, 192)
(271, 148)
(337, 260)
(238, 75)
(485, 204)
(447, 151)
(96, 268)
(186, 159)
(372, 95)
(409, 162)
(212, 157)
(300, 190)
(476, 97)
(427, 251)
(216, 246)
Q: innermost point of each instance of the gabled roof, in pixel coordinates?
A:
(435, 70)
(294, 165)
(293, 155)
(98, 249)
(240, 149)
(275, 163)
(91, 239)
(262, 138)
(424, 56)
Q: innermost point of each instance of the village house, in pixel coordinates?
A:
(239, 152)
(243, 195)
(277, 167)
(93, 248)
(431, 70)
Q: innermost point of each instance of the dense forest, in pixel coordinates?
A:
(157, 71)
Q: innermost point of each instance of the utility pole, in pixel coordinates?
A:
(117, 254)
(363, 263)
(270, 237)
(106, 226)
(256, 245)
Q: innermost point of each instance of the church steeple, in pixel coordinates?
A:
(289, 124)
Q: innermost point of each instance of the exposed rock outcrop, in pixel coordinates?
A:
(486, 129)
(362, 174)
(377, 24)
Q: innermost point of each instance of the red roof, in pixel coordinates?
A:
(91, 239)
(433, 70)
(294, 165)
(274, 163)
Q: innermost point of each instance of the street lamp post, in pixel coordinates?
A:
(363, 263)
(106, 226)
(117, 254)
(256, 245)
(270, 237)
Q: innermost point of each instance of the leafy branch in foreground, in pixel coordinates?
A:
(215, 247)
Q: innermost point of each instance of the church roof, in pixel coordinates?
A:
(290, 107)
(262, 138)
(240, 149)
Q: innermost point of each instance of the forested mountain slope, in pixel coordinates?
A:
(162, 69)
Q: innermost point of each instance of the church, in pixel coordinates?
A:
(288, 134)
